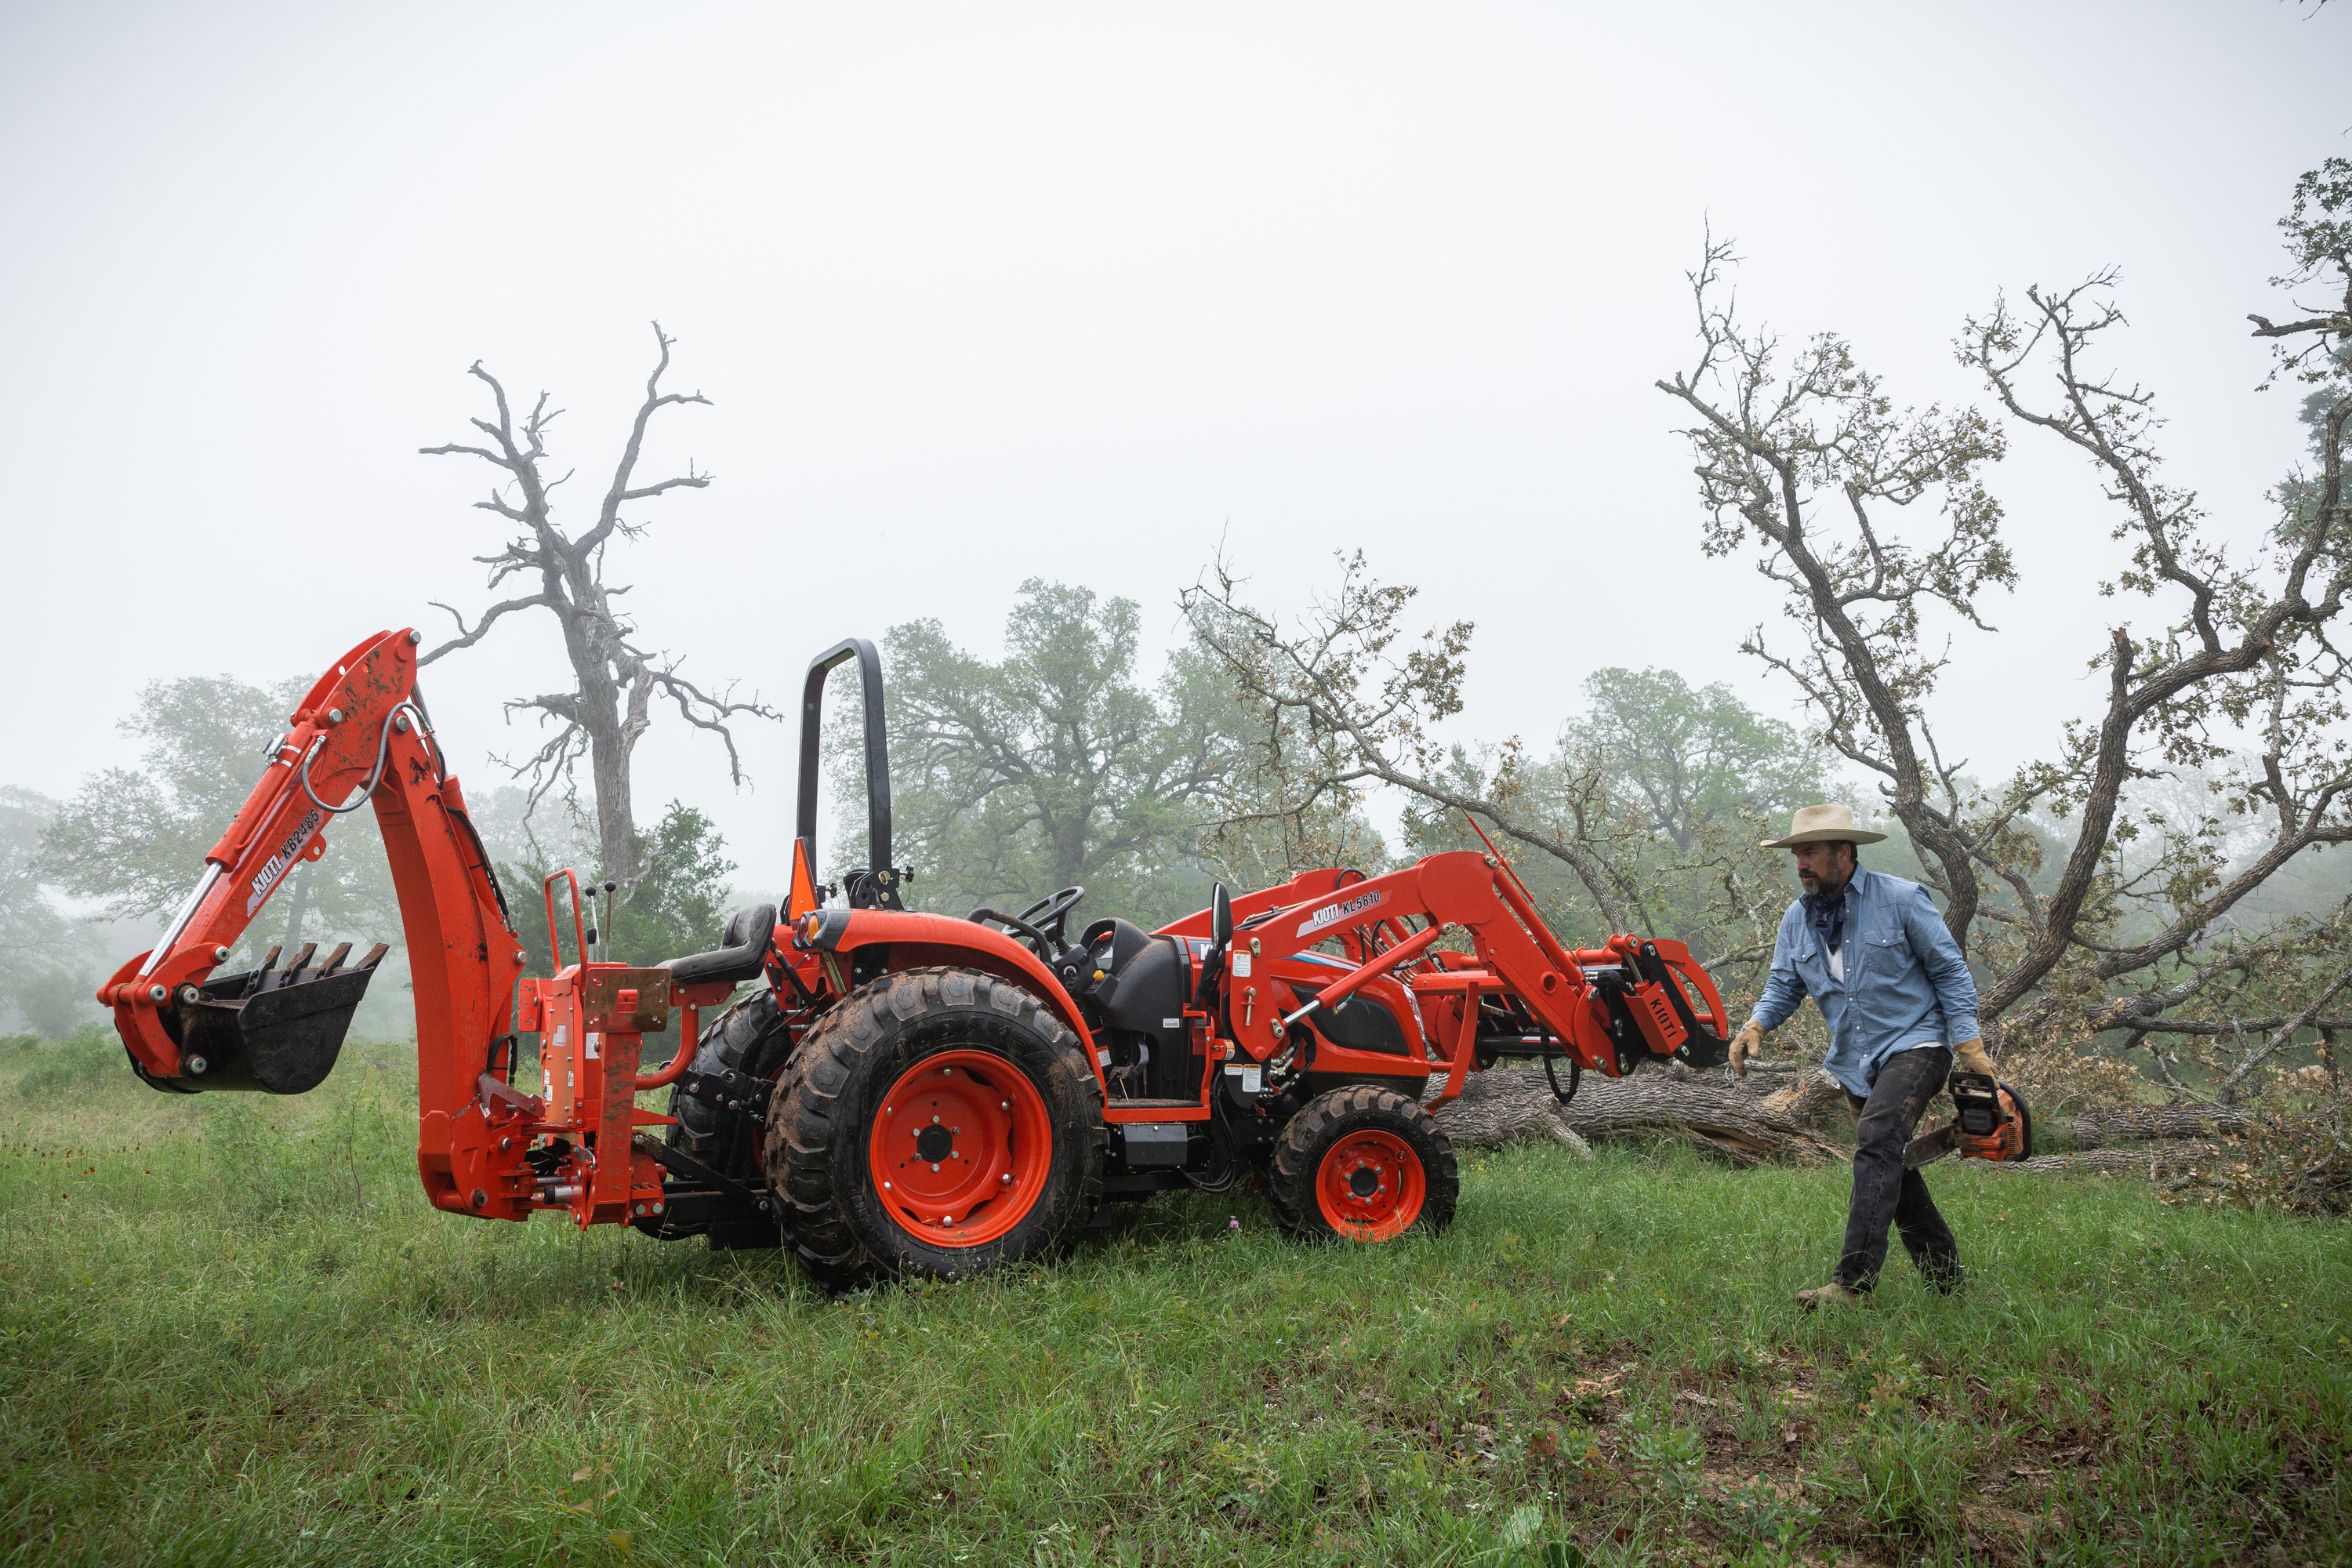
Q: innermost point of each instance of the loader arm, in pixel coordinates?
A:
(361, 735)
(1608, 1007)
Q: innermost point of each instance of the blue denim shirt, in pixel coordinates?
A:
(1906, 982)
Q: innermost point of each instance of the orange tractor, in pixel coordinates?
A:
(900, 1093)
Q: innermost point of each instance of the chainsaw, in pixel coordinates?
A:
(1993, 1122)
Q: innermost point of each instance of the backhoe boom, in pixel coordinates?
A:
(361, 735)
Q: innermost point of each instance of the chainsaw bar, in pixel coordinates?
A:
(1930, 1147)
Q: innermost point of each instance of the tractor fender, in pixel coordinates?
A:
(921, 942)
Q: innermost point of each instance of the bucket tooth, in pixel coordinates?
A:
(260, 978)
(335, 959)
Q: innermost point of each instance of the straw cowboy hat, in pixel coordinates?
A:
(1823, 825)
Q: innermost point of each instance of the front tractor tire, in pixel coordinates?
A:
(1363, 1164)
(938, 1123)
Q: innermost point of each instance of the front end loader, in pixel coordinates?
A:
(890, 1092)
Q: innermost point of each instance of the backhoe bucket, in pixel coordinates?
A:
(277, 1031)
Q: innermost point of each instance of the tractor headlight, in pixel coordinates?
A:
(820, 930)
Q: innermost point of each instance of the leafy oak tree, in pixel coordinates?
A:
(46, 958)
(1053, 765)
(1687, 758)
(2213, 658)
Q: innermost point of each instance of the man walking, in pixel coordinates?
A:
(1876, 958)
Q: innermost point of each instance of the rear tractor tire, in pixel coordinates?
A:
(1363, 1164)
(938, 1123)
(748, 1038)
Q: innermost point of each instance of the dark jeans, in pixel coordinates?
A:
(1883, 1189)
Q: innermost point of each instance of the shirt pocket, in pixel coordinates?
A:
(1885, 952)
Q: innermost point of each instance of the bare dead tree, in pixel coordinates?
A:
(1803, 460)
(609, 709)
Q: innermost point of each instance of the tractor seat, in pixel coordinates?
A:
(750, 934)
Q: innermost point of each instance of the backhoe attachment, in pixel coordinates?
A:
(485, 1145)
(361, 737)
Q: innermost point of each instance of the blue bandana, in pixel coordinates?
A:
(1828, 917)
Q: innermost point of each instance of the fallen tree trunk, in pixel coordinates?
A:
(1800, 1115)
(1750, 1126)
(2150, 1161)
(2149, 1124)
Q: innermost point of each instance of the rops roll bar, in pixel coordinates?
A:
(877, 885)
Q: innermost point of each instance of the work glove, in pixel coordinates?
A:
(1969, 1055)
(1747, 1043)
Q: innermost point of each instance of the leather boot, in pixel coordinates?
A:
(1831, 1295)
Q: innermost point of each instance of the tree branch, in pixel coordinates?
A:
(469, 639)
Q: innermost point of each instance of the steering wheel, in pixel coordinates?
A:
(1047, 915)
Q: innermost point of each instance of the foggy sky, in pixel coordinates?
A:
(986, 292)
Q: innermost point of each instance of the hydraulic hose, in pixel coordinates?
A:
(375, 776)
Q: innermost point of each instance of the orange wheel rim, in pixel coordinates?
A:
(1370, 1187)
(960, 1148)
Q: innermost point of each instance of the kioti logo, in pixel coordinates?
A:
(1332, 914)
(283, 861)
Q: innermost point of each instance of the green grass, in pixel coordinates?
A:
(231, 1331)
